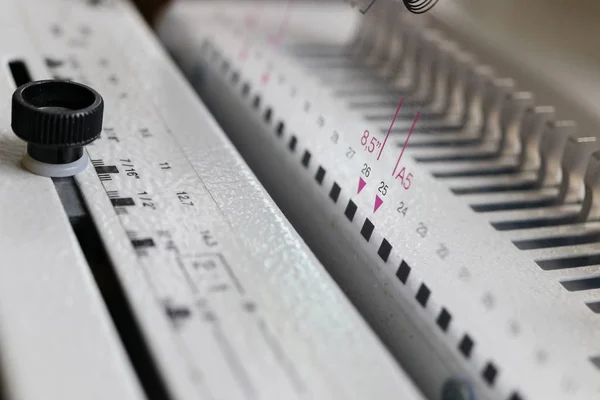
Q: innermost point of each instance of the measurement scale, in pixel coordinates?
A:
(448, 293)
(225, 299)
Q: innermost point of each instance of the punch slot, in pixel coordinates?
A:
(583, 284)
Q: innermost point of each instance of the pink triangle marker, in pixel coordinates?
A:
(361, 185)
(378, 203)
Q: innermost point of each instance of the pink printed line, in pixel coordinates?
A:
(276, 39)
(253, 17)
(391, 126)
(406, 143)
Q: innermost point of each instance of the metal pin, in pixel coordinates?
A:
(552, 146)
(428, 47)
(495, 93)
(441, 87)
(533, 126)
(590, 209)
(573, 166)
(403, 69)
(511, 117)
(477, 76)
(459, 65)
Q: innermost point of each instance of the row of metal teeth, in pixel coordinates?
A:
(534, 177)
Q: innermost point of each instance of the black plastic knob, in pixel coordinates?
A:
(56, 119)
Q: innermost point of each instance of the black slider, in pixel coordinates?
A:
(56, 119)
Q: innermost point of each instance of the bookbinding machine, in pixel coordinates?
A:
(299, 200)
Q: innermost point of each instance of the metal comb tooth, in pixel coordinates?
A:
(533, 126)
(477, 76)
(427, 50)
(511, 118)
(578, 150)
(441, 87)
(590, 209)
(459, 65)
(496, 91)
(552, 147)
